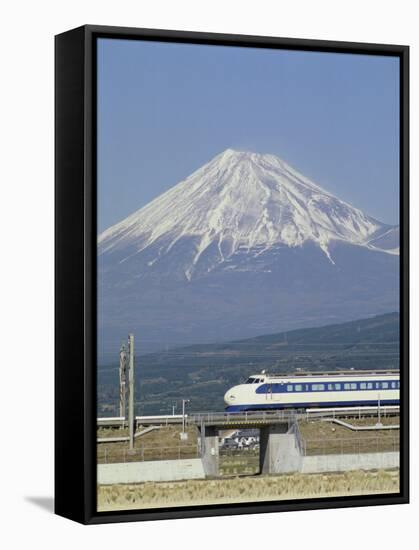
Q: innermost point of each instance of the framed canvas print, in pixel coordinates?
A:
(231, 274)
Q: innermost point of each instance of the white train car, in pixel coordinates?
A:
(307, 390)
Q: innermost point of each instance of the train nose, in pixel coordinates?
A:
(230, 397)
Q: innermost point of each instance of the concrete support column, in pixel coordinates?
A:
(278, 450)
(209, 450)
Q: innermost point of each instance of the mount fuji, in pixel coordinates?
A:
(245, 245)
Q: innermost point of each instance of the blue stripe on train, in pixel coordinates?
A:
(270, 406)
(283, 387)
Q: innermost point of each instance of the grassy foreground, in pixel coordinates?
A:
(246, 489)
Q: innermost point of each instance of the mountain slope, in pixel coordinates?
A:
(238, 202)
(246, 245)
(204, 372)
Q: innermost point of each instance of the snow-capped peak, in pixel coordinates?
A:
(241, 201)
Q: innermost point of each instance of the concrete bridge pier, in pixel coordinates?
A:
(279, 453)
(209, 450)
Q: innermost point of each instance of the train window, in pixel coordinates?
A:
(289, 387)
(370, 385)
(354, 386)
(346, 386)
(298, 387)
(393, 385)
(384, 385)
(377, 385)
(317, 387)
(363, 386)
(338, 386)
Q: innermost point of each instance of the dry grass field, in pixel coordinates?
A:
(330, 438)
(246, 489)
(161, 444)
(239, 463)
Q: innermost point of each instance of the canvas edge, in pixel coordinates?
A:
(69, 383)
(78, 415)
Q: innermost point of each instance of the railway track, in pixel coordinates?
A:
(252, 418)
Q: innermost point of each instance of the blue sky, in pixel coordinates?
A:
(166, 109)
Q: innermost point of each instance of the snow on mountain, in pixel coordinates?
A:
(245, 245)
(241, 202)
(387, 241)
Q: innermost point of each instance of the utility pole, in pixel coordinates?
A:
(122, 381)
(131, 397)
(184, 434)
(379, 412)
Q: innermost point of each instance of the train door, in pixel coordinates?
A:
(276, 392)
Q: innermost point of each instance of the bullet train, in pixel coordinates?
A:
(303, 390)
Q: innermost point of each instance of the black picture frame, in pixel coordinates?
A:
(75, 272)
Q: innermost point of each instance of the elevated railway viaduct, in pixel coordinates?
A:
(280, 443)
